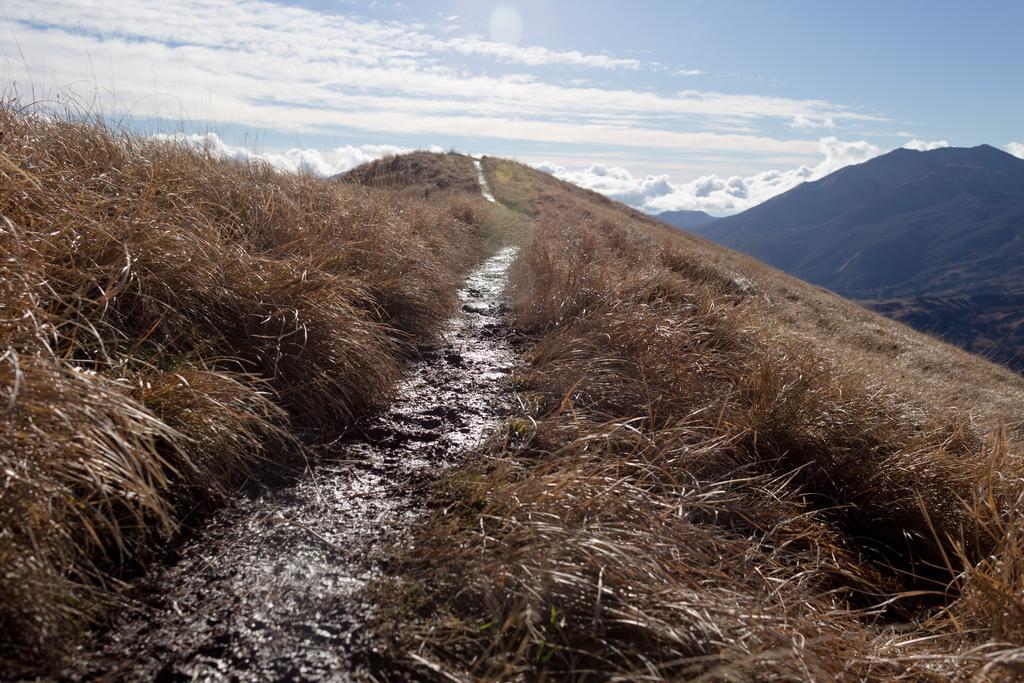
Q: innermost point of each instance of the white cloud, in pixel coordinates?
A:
(805, 122)
(266, 65)
(295, 160)
(839, 154)
(925, 145)
(613, 181)
(508, 51)
(711, 193)
(1016, 149)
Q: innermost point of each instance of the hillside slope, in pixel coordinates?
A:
(175, 328)
(935, 239)
(717, 471)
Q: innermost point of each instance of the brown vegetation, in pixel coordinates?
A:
(172, 325)
(721, 473)
(717, 471)
(432, 173)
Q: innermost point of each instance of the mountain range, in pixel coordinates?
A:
(932, 238)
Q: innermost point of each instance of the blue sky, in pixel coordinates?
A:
(707, 104)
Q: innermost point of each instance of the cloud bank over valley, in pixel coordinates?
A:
(725, 195)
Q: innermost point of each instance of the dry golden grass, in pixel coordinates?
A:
(173, 325)
(719, 473)
(430, 172)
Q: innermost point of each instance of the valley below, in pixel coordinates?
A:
(987, 324)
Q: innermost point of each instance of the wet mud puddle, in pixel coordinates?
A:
(272, 588)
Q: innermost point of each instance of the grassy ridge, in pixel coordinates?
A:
(430, 173)
(720, 472)
(172, 325)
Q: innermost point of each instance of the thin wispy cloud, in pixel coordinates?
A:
(535, 56)
(292, 69)
(806, 122)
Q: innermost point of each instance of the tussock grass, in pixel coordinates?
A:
(172, 326)
(429, 172)
(709, 481)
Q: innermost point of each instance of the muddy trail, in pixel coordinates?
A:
(272, 588)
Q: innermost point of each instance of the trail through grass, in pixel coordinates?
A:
(274, 587)
(712, 476)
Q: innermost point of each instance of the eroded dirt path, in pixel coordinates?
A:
(272, 589)
(485, 189)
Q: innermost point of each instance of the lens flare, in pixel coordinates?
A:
(505, 25)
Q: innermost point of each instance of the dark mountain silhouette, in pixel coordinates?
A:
(687, 220)
(935, 239)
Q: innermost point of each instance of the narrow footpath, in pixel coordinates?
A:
(272, 589)
(485, 189)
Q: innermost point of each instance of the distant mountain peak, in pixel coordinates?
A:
(944, 224)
